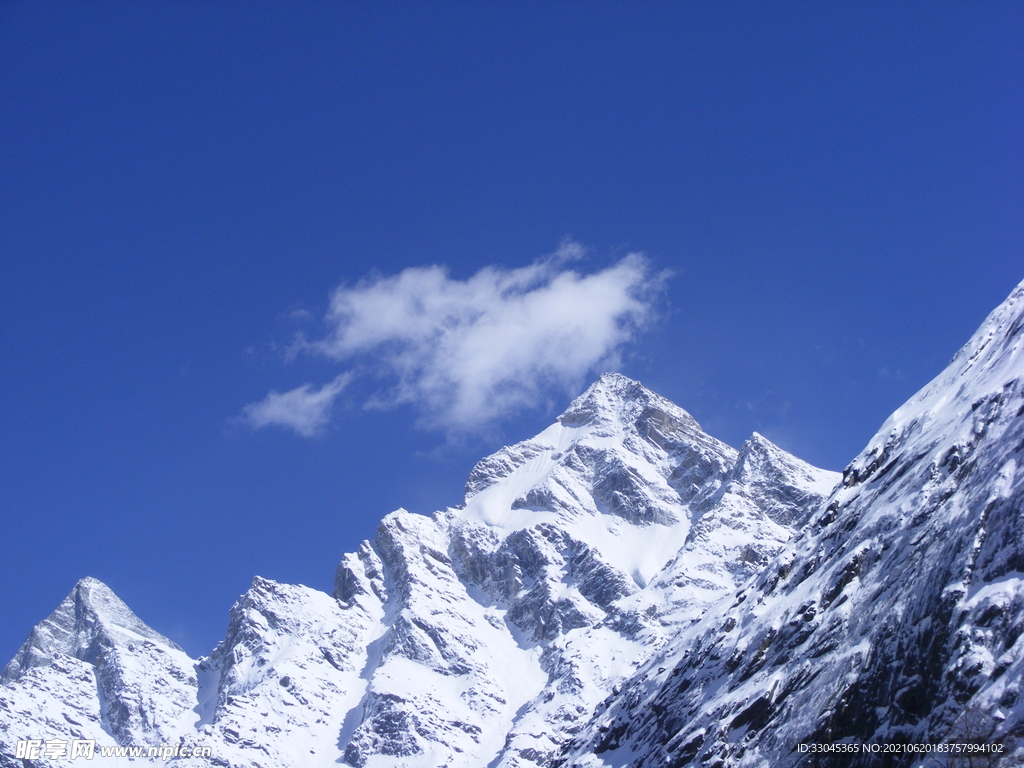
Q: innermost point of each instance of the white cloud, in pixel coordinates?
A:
(305, 409)
(470, 352)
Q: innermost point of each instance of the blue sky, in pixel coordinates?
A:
(203, 204)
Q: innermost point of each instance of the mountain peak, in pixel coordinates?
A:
(615, 399)
(777, 481)
(614, 410)
(89, 619)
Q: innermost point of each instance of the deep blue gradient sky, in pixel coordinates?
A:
(838, 189)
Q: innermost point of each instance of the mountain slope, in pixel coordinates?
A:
(896, 616)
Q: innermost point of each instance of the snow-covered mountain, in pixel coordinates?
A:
(484, 635)
(622, 589)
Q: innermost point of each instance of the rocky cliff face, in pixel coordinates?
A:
(622, 589)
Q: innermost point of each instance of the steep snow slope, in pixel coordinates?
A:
(484, 635)
(896, 616)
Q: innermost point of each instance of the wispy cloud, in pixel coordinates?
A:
(471, 352)
(305, 409)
